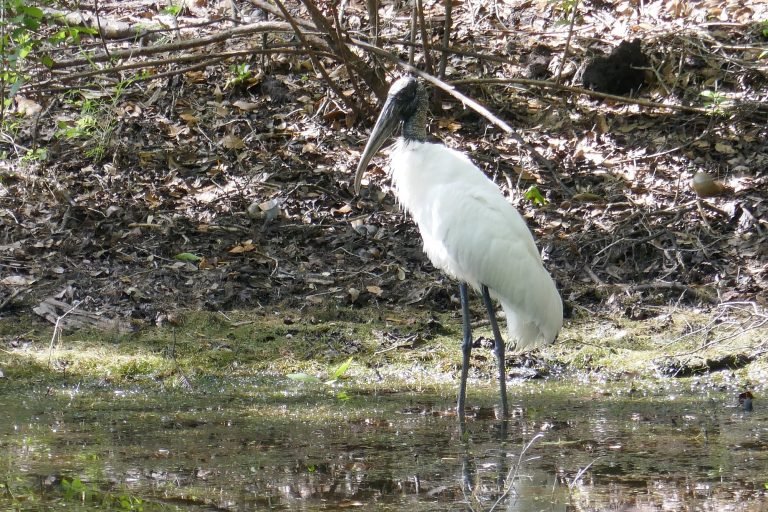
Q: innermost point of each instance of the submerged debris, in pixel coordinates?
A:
(745, 400)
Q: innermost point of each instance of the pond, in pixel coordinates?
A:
(275, 444)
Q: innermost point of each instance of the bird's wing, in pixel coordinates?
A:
(484, 240)
(471, 232)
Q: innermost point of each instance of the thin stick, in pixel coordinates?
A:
(424, 38)
(567, 43)
(469, 102)
(253, 28)
(446, 38)
(512, 475)
(57, 328)
(315, 61)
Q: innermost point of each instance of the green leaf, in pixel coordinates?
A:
(24, 51)
(35, 12)
(534, 195)
(187, 256)
(47, 61)
(341, 370)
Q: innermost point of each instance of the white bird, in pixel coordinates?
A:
(469, 230)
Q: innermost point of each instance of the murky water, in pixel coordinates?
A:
(288, 446)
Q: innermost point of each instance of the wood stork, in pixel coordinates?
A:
(469, 230)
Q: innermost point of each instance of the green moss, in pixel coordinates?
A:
(401, 346)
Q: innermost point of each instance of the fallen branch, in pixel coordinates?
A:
(469, 102)
(55, 311)
(546, 84)
(253, 28)
(108, 29)
(148, 64)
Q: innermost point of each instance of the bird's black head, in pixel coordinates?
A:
(407, 96)
(407, 104)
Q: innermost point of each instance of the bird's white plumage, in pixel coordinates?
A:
(472, 233)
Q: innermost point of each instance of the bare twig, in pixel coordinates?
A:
(567, 42)
(57, 327)
(345, 55)
(10, 297)
(446, 38)
(373, 20)
(412, 48)
(145, 64)
(101, 30)
(424, 38)
(315, 61)
(244, 30)
(546, 84)
(540, 159)
(513, 472)
(581, 473)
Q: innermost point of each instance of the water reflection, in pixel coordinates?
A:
(238, 450)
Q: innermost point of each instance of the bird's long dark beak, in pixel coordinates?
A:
(388, 120)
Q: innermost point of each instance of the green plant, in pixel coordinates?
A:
(242, 75)
(75, 490)
(340, 371)
(764, 29)
(533, 194)
(173, 9)
(90, 126)
(567, 7)
(96, 123)
(18, 24)
(35, 155)
(335, 375)
(19, 39)
(83, 127)
(128, 502)
(714, 100)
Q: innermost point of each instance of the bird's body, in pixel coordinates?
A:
(472, 233)
(469, 229)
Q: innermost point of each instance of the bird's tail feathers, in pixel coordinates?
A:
(525, 335)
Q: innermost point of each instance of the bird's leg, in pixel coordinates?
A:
(466, 349)
(499, 344)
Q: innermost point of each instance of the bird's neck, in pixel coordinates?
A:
(415, 126)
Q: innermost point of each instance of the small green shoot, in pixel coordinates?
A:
(20, 42)
(173, 10)
(35, 155)
(534, 195)
(97, 121)
(242, 75)
(567, 7)
(340, 370)
(764, 33)
(333, 376)
(714, 100)
(75, 490)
